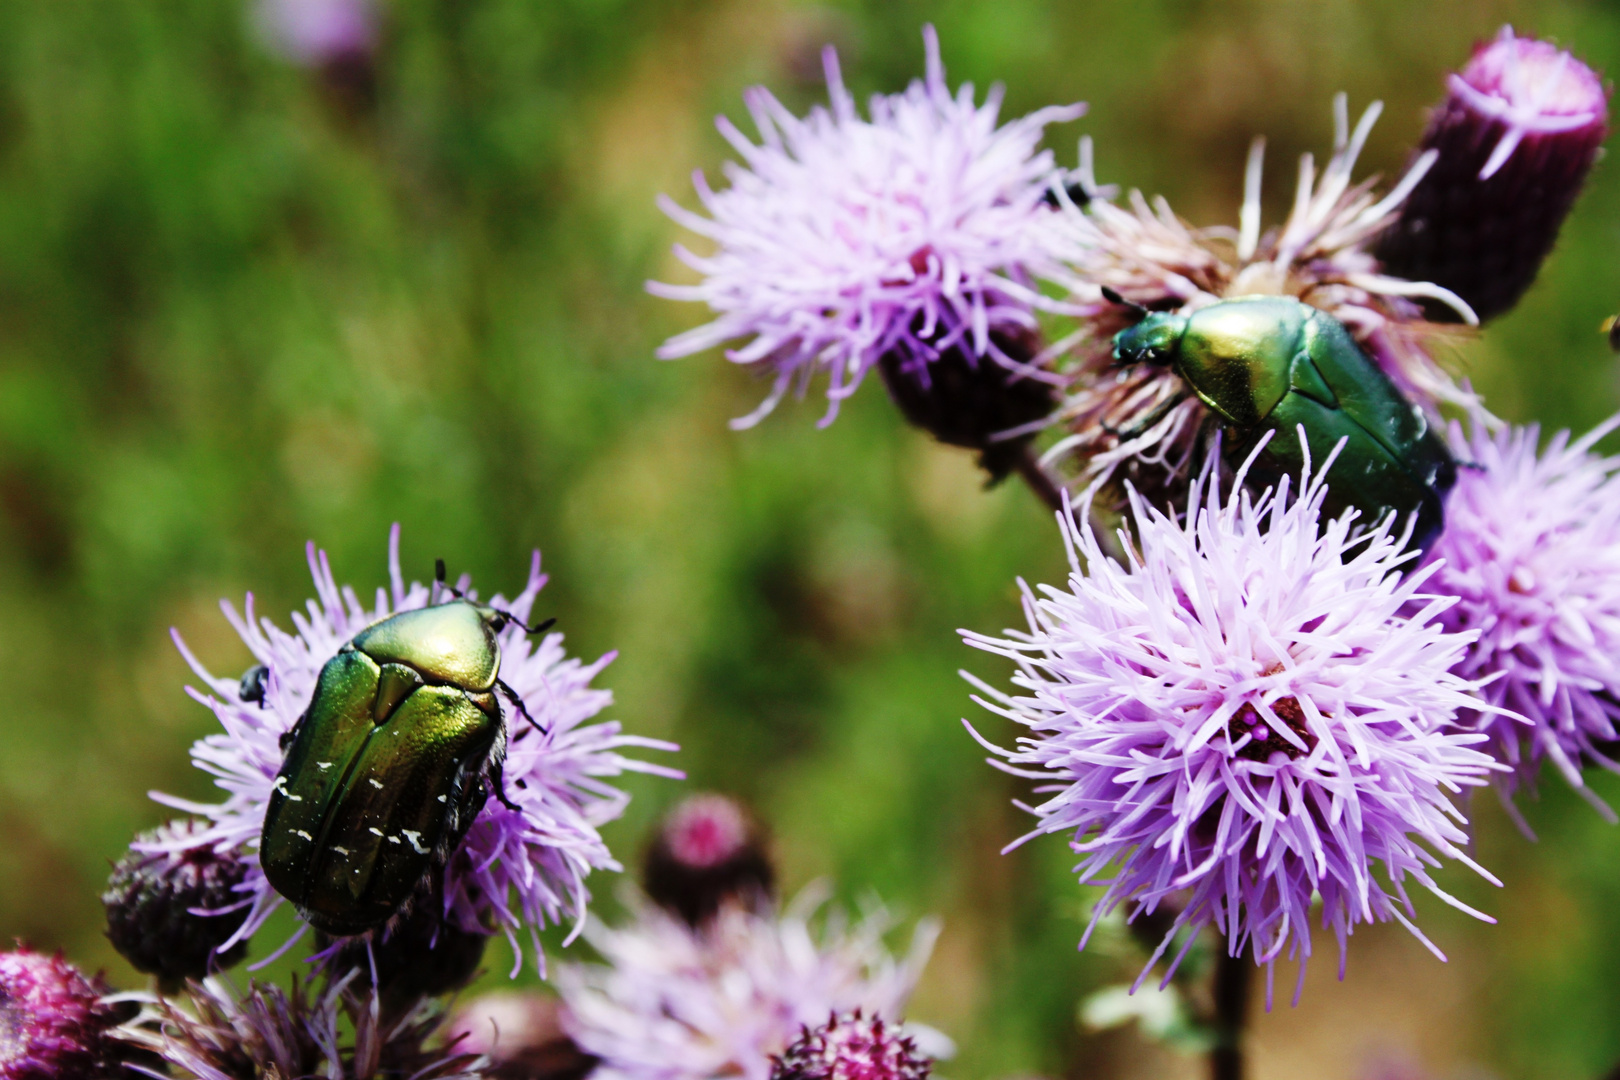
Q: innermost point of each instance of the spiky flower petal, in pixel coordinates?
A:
(674, 1003)
(1243, 718)
(1531, 550)
(1516, 136)
(516, 868)
(912, 236)
(852, 1047)
(217, 1033)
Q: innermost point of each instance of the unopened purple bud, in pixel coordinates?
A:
(851, 1047)
(975, 402)
(53, 1023)
(1516, 135)
(521, 1035)
(170, 907)
(708, 852)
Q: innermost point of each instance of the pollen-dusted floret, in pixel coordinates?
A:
(53, 1022)
(171, 902)
(519, 867)
(678, 1003)
(913, 236)
(852, 1047)
(1531, 550)
(1517, 134)
(1252, 712)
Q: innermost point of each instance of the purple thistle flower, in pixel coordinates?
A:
(911, 237)
(708, 852)
(54, 1024)
(315, 33)
(674, 1003)
(1517, 134)
(852, 1047)
(1240, 717)
(1126, 424)
(1531, 550)
(515, 868)
(338, 1033)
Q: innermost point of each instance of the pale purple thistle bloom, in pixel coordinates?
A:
(1240, 717)
(524, 867)
(677, 1003)
(1532, 551)
(316, 32)
(841, 239)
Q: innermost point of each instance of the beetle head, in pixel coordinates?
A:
(1151, 341)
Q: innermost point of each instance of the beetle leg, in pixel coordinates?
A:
(522, 711)
(499, 774)
(1136, 429)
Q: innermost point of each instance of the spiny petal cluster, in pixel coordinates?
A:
(842, 238)
(675, 1003)
(1531, 550)
(517, 868)
(1241, 716)
(852, 1046)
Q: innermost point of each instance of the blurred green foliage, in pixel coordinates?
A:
(242, 306)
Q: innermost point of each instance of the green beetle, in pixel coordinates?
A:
(393, 759)
(1271, 364)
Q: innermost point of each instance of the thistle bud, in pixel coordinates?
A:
(851, 1047)
(418, 954)
(707, 852)
(521, 1035)
(1516, 135)
(53, 1023)
(159, 902)
(971, 401)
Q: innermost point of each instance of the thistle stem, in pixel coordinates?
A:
(1041, 482)
(1231, 993)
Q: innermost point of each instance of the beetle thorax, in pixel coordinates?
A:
(1236, 354)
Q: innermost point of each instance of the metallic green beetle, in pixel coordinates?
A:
(1272, 363)
(389, 765)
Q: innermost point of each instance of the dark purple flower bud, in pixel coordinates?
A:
(708, 852)
(53, 1023)
(1516, 135)
(974, 401)
(416, 955)
(851, 1047)
(521, 1035)
(170, 908)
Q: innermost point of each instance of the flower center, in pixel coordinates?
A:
(1263, 741)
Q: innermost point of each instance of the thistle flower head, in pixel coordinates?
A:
(1241, 717)
(171, 903)
(852, 1047)
(521, 1035)
(674, 1003)
(1531, 550)
(708, 852)
(910, 236)
(54, 1024)
(1516, 136)
(317, 32)
(520, 866)
(1138, 424)
(218, 1033)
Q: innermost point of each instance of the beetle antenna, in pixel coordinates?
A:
(518, 702)
(439, 581)
(1139, 310)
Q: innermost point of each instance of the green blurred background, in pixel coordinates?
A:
(240, 308)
